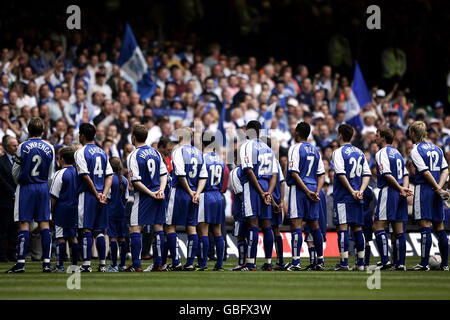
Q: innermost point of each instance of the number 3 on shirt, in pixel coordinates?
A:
(98, 171)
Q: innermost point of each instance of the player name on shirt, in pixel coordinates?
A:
(95, 150)
(147, 152)
(350, 149)
(39, 145)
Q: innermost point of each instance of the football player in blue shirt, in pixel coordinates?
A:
(431, 175)
(32, 170)
(259, 179)
(352, 175)
(211, 207)
(96, 178)
(392, 206)
(64, 208)
(117, 217)
(188, 180)
(148, 173)
(305, 178)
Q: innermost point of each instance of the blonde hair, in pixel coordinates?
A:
(418, 131)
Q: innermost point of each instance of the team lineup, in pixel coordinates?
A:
(87, 200)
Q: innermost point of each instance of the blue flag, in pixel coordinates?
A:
(359, 98)
(132, 62)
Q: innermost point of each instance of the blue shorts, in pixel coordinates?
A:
(301, 207)
(147, 211)
(117, 228)
(277, 218)
(181, 211)
(61, 232)
(391, 206)
(240, 228)
(92, 214)
(32, 203)
(368, 225)
(65, 217)
(211, 208)
(427, 205)
(254, 206)
(348, 213)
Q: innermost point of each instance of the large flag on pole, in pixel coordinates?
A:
(132, 62)
(359, 98)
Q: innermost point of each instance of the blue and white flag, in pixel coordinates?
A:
(267, 116)
(78, 119)
(359, 98)
(132, 62)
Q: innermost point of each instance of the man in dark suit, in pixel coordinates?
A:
(8, 229)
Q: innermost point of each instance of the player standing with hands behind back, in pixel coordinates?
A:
(428, 206)
(96, 179)
(352, 175)
(33, 168)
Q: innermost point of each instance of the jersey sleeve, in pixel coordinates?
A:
(366, 169)
(162, 165)
(246, 155)
(405, 171)
(236, 185)
(274, 164)
(383, 162)
(178, 162)
(133, 167)
(338, 162)
(320, 166)
(51, 169)
(109, 170)
(418, 160)
(280, 172)
(57, 184)
(16, 165)
(203, 170)
(444, 164)
(80, 162)
(294, 158)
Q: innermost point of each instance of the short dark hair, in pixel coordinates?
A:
(208, 137)
(387, 134)
(140, 132)
(36, 127)
(346, 131)
(163, 142)
(67, 153)
(88, 131)
(303, 129)
(255, 125)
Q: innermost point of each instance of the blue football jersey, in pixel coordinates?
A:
(216, 170)
(187, 161)
(426, 156)
(280, 179)
(257, 156)
(64, 188)
(92, 160)
(146, 165)
(116, 201)
(348, 160)
(237, 189)
(305, 160)
(37, 161)
(390, 161)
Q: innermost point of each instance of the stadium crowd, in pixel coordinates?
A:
(66, 84)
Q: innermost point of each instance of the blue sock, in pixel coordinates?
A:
(312, 255)
(113, 248)
(158, 249)
(123, 252)
(279, 250)
(136, 248)
(394, 251)
(165, 253)
(400, 243)
(220, 248)
(23, 243)
(425, 245)
(318, 244)
(296, 244)
(61, 253)
(87, 247)
(268, 242)
(382, 244)
(172, 245)
(100, 244)
(192, 249)
(443, 247)
(74, 253)
(343, 246)
(203, 248)
(252, 246)
(367, 255)
(359, 245)
(242, 246)
(46, 241)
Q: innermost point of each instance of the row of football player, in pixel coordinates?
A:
(194, 198)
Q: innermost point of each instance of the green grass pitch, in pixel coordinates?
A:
(226, 285)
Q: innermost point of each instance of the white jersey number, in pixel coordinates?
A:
(98, 170)
(36, 158)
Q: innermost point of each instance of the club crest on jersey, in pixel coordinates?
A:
(291, 164)
(246, 160)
